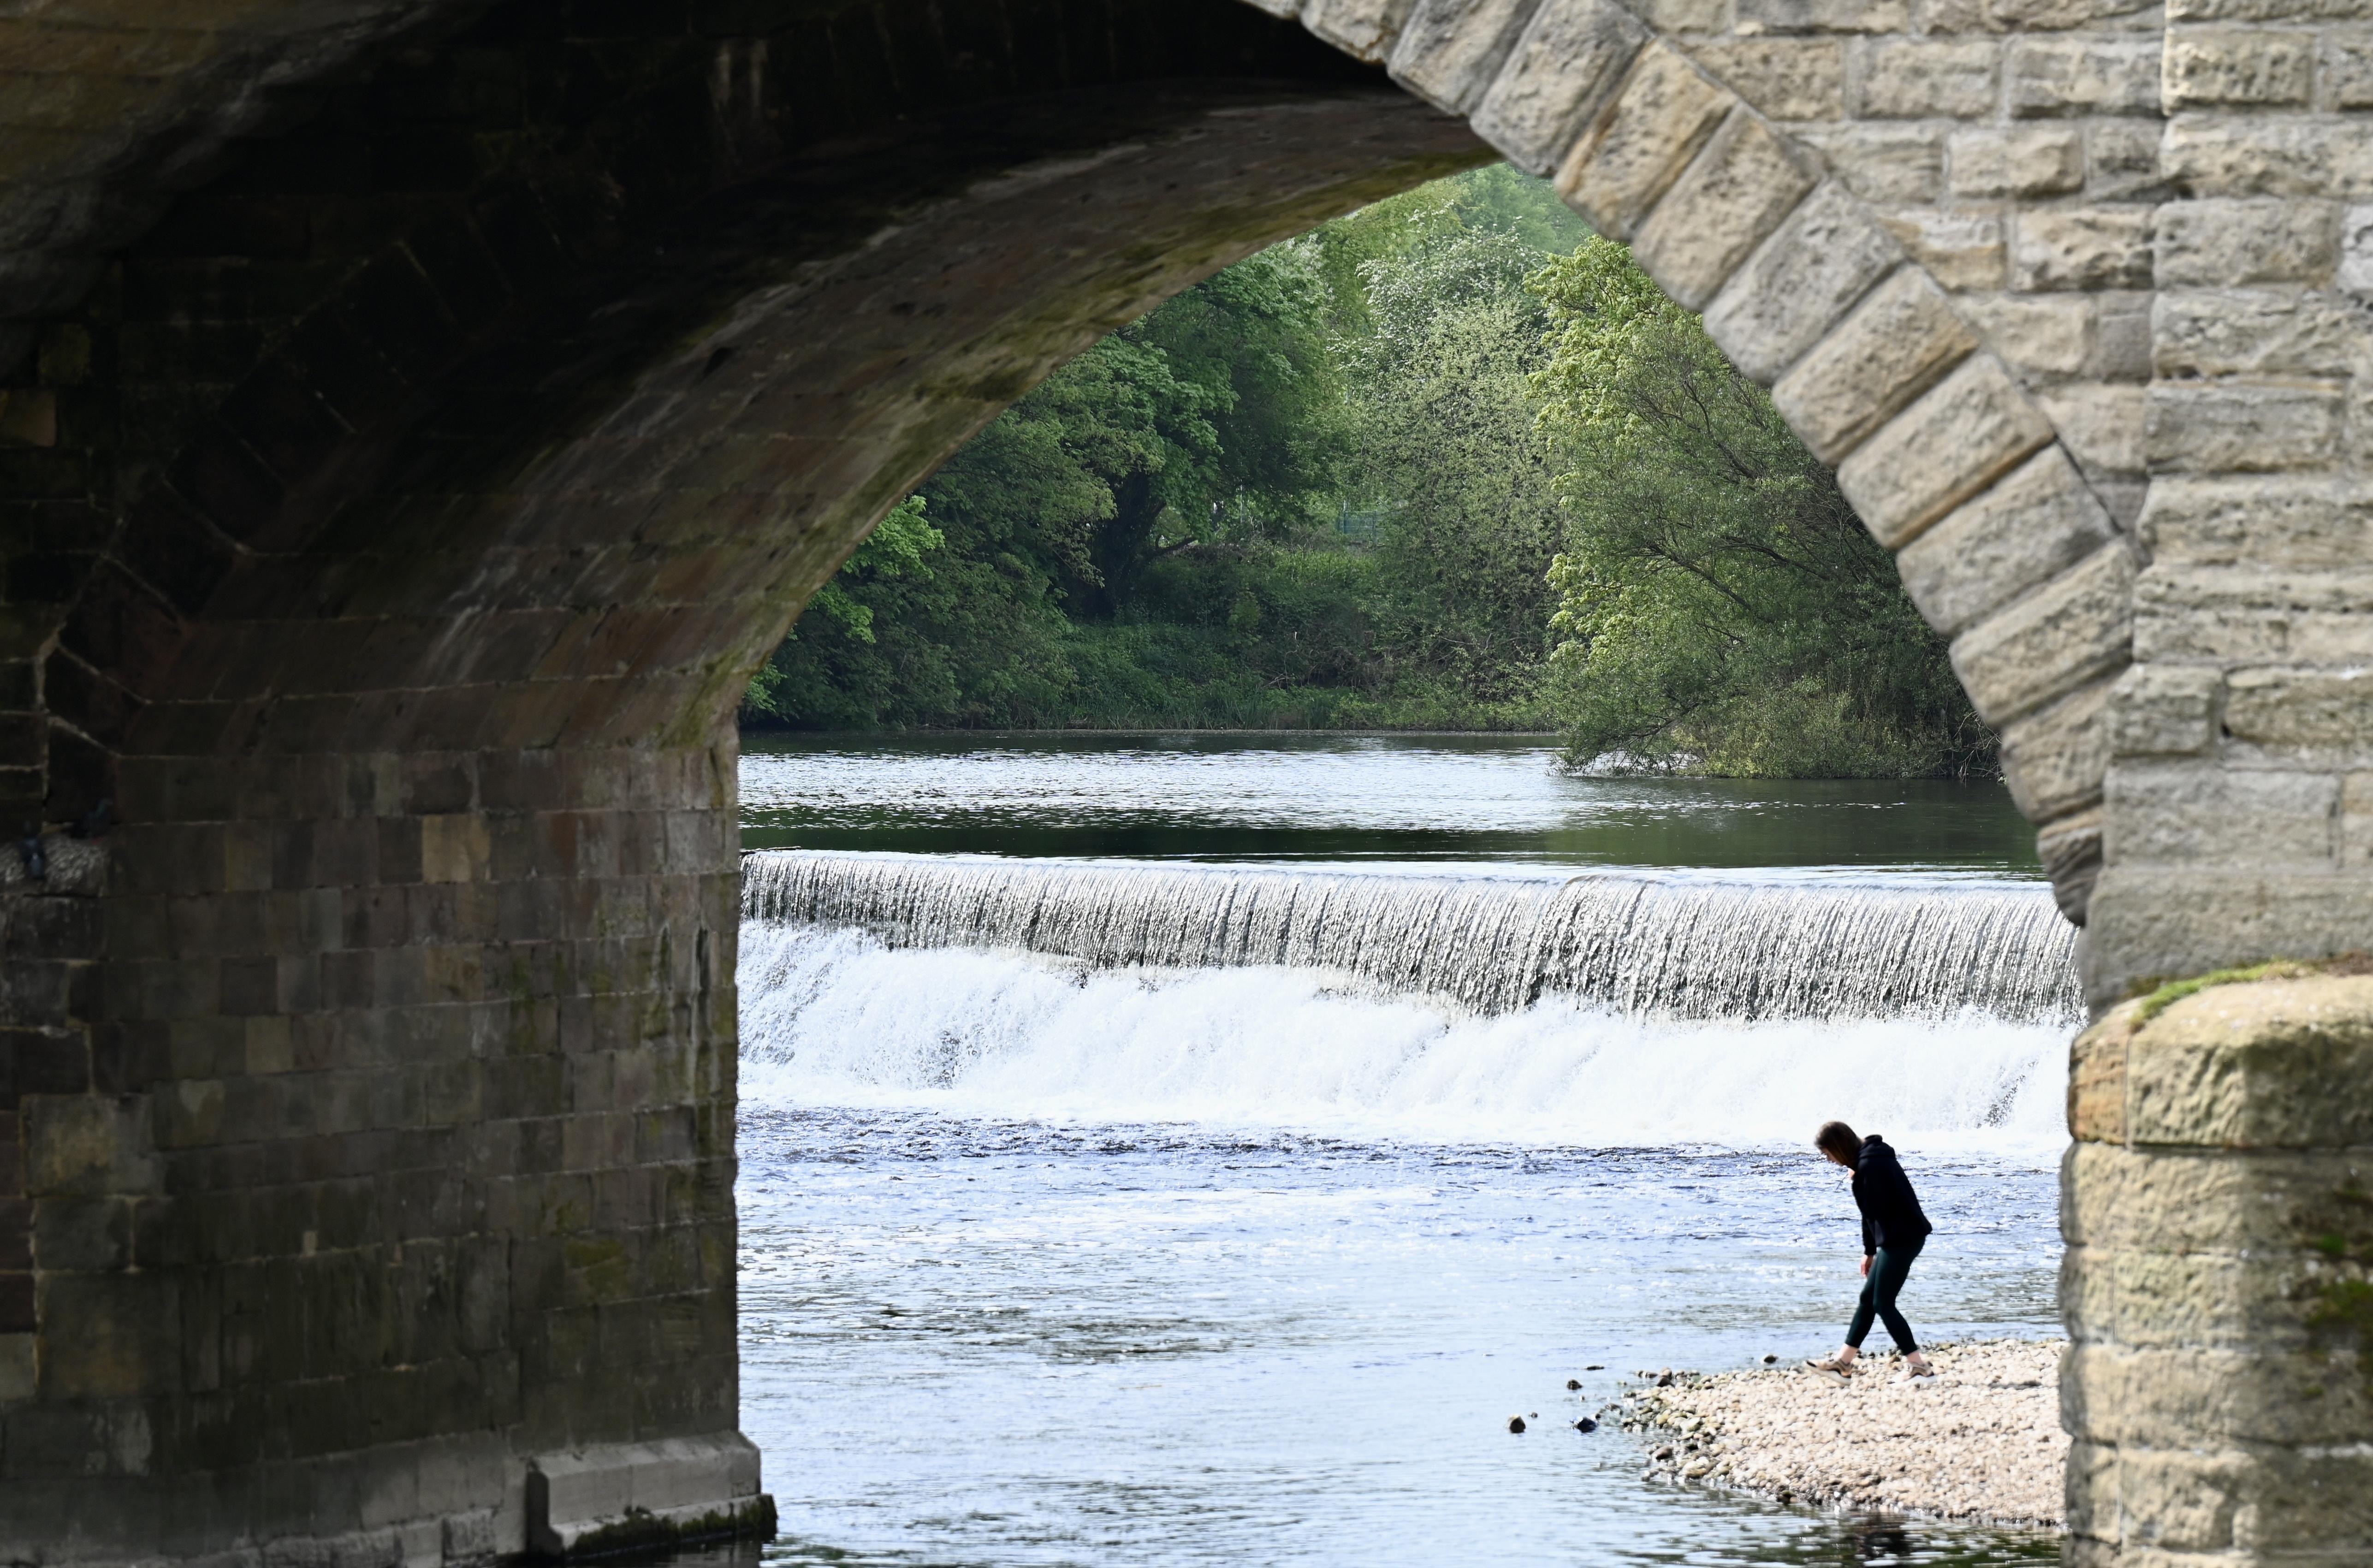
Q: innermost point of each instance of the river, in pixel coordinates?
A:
(1194, 1150)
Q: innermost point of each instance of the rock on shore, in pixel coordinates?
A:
(1979, 1443)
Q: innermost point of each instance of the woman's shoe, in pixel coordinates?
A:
(1833, 1367)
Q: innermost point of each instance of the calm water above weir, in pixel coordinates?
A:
(1360, 798)
(1116, 1211)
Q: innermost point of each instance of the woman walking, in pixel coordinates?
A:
(1893, 1231)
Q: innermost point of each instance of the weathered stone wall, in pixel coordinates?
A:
(2219, 1215)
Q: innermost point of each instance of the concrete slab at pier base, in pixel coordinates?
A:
(620, 1496)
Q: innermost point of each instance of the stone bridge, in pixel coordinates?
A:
(420, 416)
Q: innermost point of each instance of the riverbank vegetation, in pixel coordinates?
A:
(1448, 464)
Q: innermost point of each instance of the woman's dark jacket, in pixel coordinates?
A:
(1891, 1212)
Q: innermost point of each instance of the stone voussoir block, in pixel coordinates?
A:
(1364, 29)
(2053, 760)
(1895, 345)
(2075, 630)
(1724, 205)
(1787, 296)
(1638, 143)
(1556, 78)
(1951, 444)
(2035, 522)
(1448, 51)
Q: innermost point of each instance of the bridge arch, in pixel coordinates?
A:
(423, 417)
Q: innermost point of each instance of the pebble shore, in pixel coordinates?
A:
(1980, 1442)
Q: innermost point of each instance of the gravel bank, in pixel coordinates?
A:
(1980, 1442)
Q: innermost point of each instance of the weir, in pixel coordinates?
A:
(1640, 945)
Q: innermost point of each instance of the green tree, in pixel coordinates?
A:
(1720, 608)
(1457, 470)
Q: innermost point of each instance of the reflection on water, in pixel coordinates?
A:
(1390, 798)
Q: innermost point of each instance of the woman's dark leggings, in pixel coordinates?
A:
(1889, 1267)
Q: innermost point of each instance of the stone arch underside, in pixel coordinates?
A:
(424, 417)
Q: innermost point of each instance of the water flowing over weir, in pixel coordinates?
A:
(1636, 944)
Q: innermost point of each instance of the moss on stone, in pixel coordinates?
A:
(2156, 996)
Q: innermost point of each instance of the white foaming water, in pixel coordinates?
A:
(1639, 946)
(837, 1017)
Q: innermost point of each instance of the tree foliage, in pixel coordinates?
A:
(1720, 608)
(1446, 462)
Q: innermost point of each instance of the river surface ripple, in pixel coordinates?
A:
(1044, 1264)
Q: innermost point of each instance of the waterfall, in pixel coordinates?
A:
(1635, 944)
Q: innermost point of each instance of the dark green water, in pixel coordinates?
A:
(1345, 798)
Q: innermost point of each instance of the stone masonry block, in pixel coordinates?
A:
(2058, 76)
(2209, 1397)
(2147, 923)
(2053, 760)
(1895, 345)
(2353, 274)
(2216, 244)
(2231, 427)
(1449, 49)
(2356, 824)
(2101, 425)
(1787, 78)
(1881, 160)
(2236, 615)
(1363, 28)
(2035, 523)
(1792, 290)
(2116, 1197)
(1952, 443)
(1557, 75)
(2277, 1065)
(2153, 1299)
(1724, 206)
(2122, 160)
(1756, 17)
(2232, 65)
(2165, 711)
(2026, 160)
(1909, 78)
(2081, 247)
(1962, 250)
(2073, 630)
(2224, 154)
(88, 1145)
(1638, 145)
(2345, 63)
(2232, 332)
(2043, 336)
(2194, 812)
(2307, 523)
(2331, 710)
